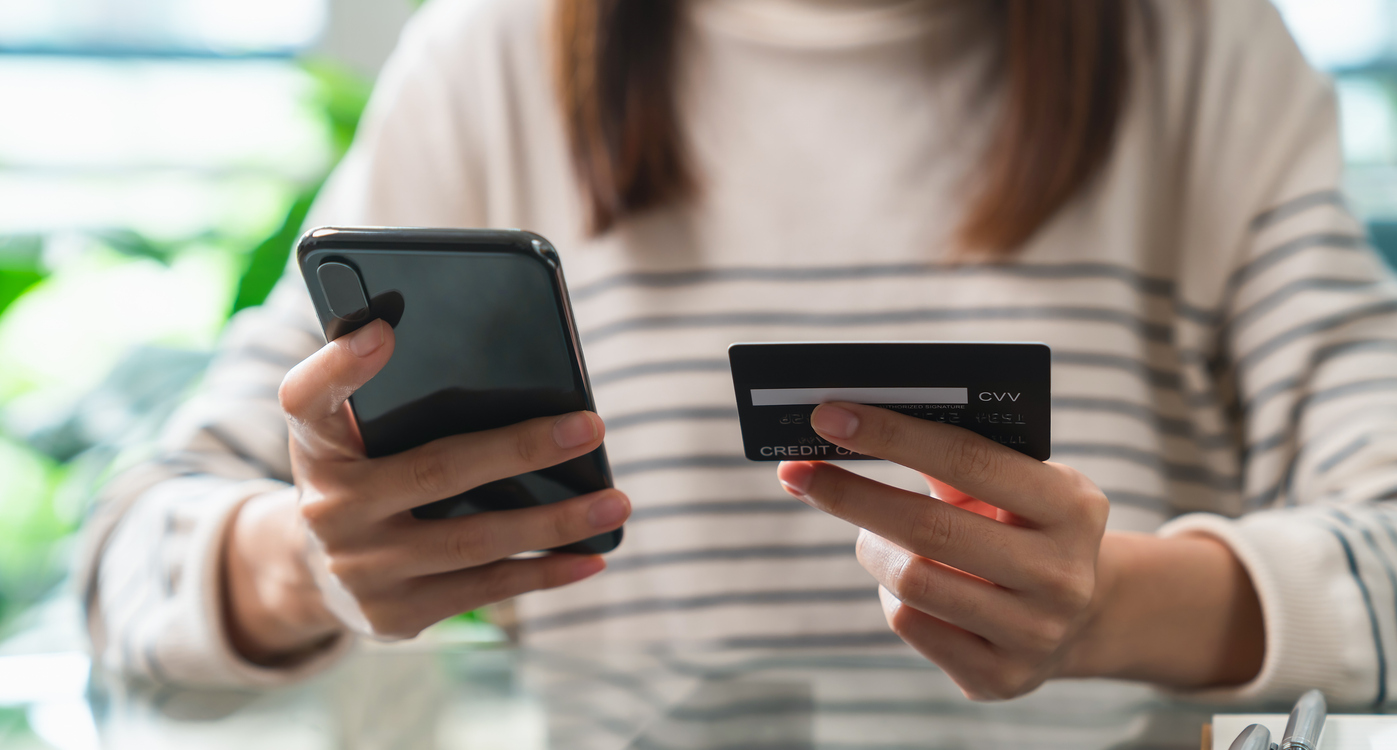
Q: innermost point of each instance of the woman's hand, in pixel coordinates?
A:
(343, 549)
(1004, 581)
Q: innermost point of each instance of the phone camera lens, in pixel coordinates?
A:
(343, 290)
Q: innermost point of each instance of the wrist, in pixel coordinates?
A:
(273, 611)
(1180, 612)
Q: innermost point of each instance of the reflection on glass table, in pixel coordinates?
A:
(444, 695)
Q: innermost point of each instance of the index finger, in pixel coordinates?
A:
(972, 464)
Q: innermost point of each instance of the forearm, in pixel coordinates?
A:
(1180, 612)
(272, 608)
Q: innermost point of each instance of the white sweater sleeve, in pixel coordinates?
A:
(1307, 342)
(149, 565)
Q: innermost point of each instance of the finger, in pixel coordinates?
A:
(313, 393)
(428, 600)
(449, 466)
(962, 655)
(948, 494)
(949, 595)
(924, 525)
(973, 464)
(426, 548)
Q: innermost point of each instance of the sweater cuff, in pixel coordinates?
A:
(1311, 608)
(196, 648)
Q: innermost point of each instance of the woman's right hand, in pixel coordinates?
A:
(342, 550)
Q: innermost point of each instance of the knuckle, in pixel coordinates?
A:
(529, 447)
(911, 582)
(1076, 592)
(319, 511)
(467, 543)
(1002, 684)
(934, 529)
(498, 582)
(1043, 636)
(315, 511)
(289, 395)
(564, 523)
(827, 489)
(900, 621)
(1069, 587)
(974, 459)
(885, 433)
(390, 619)
(1085, 496)
(346, 568)
(428, 472)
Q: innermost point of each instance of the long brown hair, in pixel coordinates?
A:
(1064, 73)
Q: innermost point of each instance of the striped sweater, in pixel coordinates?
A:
(1224, 340)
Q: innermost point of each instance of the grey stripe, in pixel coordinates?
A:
(679, 659)
(664, 367)
(1317, 358)
(1298, 205)
(584, 615)
(1284, 437)
(1339, 456)
(307, 324)
(730, 554)
(1276, 298)
(157, 670)
(1372, 615)
(1383, 560)
(1166, 425)
(1297, 457)
(1057, 271)
(236, 449)
(633, 419)
(1140, 500)
(811, 640)
(1387, 526)
(928, 708)
(1190, 473)
(667, 463)
(1158, 332)
(1339, 391)
(1155, 377)
(1175, 472)
(243, 391)
(718, 508)
(1320, 325)
(1270, 258)
(261, 353)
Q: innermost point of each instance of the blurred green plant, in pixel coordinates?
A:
(340, 97)
(49, 470)
(20, 267)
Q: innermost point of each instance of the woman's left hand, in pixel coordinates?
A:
(996, 581)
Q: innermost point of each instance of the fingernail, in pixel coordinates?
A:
(574, 429)
(587, 566)
(834, 421)
(607, 511)
(795, 477)
(366, 340)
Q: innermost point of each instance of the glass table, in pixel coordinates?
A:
(434, 694)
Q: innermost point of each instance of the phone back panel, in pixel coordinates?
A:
(484, 338)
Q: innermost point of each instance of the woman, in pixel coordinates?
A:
(1150, 188)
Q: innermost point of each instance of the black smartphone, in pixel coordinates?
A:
(484, 338)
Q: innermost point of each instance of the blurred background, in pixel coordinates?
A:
(157, 158)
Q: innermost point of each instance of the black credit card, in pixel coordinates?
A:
(999, 390)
